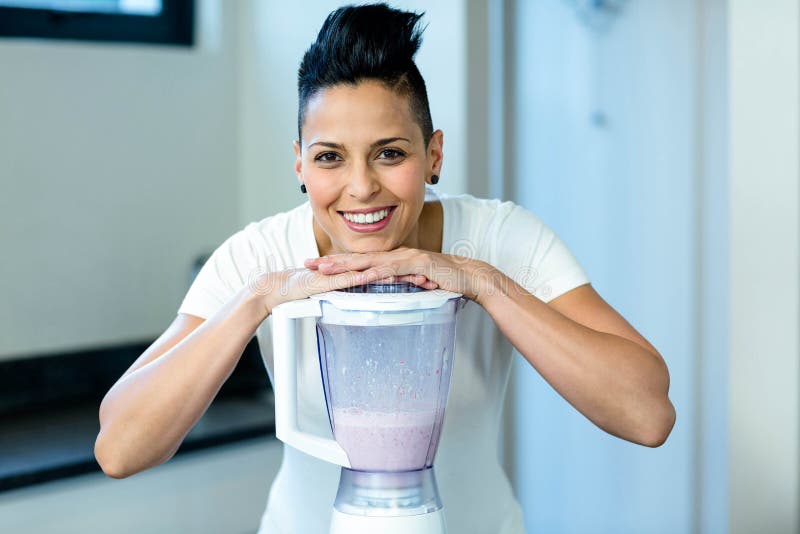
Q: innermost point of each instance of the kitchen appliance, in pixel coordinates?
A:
(385, 352)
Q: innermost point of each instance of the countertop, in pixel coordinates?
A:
(49, 410)
(59, 442)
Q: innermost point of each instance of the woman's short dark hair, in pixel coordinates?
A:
(367, 42)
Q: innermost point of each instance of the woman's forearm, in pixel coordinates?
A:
(147, 414)
(616, 383)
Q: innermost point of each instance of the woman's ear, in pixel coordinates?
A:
(435, 153)
(298, 161)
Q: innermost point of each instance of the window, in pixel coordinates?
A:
(133, 21)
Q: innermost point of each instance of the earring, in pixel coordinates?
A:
(303, 188)
(434, 179)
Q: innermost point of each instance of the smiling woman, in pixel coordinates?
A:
(367, 155)
(362, 154)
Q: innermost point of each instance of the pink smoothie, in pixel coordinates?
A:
(377, 441)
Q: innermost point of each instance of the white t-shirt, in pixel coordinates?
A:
(475, 491)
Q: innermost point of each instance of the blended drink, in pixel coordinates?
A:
(381, 441)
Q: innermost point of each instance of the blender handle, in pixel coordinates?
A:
(284, 330)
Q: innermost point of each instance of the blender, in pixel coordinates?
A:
(385, 354)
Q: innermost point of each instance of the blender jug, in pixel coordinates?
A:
(385, 354)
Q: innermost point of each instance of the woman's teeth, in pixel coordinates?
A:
(366, 218)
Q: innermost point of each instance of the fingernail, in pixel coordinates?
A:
(324, 265)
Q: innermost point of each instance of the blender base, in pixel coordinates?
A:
(430, 523)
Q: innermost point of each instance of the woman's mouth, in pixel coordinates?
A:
(368, 220)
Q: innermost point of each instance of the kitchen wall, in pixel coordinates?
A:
(661, 144)
(121, 163)
(117, 167)
(764, 381)
(619, 146)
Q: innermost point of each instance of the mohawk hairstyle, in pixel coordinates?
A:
(367, 42)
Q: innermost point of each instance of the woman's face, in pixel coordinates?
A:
(364, 164)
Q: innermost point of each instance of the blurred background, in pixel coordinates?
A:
(659, 140)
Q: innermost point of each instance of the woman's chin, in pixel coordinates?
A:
(365, 246)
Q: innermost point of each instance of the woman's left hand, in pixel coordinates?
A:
(426, 269)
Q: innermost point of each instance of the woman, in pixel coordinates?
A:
(365, 154)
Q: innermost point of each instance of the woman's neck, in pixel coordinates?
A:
(430, 227)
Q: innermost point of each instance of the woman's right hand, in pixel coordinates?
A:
(277, 287)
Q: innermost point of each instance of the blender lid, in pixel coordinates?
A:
(387, 297)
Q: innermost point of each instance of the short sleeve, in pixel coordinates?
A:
(228, 269)
(536, 258)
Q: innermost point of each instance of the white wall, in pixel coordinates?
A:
(605, 152)
(117, 167)
(685, 209)
(120, 163)
(764, 291)
(710, 467)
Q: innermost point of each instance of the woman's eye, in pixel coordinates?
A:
(327, 157)
(391, 154)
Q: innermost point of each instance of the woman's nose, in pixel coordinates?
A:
(363, 184)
